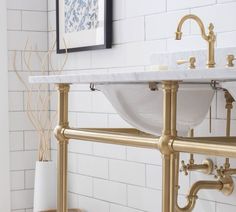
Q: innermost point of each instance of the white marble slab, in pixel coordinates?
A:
(175, 72)
(198, 75)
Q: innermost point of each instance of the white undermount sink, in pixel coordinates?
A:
(142, 108)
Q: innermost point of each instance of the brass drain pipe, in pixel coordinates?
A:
(224, 185)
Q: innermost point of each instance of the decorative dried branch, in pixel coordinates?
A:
(38, 97)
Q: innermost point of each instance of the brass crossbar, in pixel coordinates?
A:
(216, 146)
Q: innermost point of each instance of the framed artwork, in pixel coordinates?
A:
(83, 25)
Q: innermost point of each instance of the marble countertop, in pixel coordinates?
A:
(197, 75)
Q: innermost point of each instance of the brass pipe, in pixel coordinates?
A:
(63, 90)
(200, 146)
(196, 187)
(112, 138)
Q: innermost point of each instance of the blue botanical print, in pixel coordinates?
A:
(81, 15)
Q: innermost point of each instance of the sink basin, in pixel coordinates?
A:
(142, 108)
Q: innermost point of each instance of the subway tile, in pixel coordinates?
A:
(14, 60)
(34, 21)
(72, 162)
(14, 20)
(110, 191)
(118, 9)
(92, 166)
(154, 176)
(83, 147)
(142, 7)
(144, 199)
(92, 120)
(22, 160)
(80, 184)
(114, 57)
(51, 5)
(21, 199)
(144, 155)
(188, 43)
(224, 207)
(19, 121)
(92, 205)
(226, 39)
(17, 180)
(182, 4)
(210, 15)
(129, 30)
(80, 101)
(29, 179)
(73, 201)
(35, 61)
(155, 29)
(14, 83)
(16, 141)
(78, 60)
(119, 208)
(27, 5)
(127, 172)
(15, 101)
(109, 151)
(31, 140)
(51, 20)
(38, 39)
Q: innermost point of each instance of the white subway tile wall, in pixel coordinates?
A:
(108, 178)
(27, 20)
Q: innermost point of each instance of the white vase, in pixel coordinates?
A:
(45, 186)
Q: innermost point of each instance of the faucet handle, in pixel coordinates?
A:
(191, 61)
(230, 59)
(184, 168)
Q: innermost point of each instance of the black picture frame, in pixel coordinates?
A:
(108, 10)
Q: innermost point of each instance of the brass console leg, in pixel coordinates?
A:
(174, 159)
(169, 159)
(164, 140)
(63, 90)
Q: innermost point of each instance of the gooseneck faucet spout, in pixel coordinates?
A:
(210, 38)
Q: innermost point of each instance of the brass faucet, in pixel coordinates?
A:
(210, 38)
